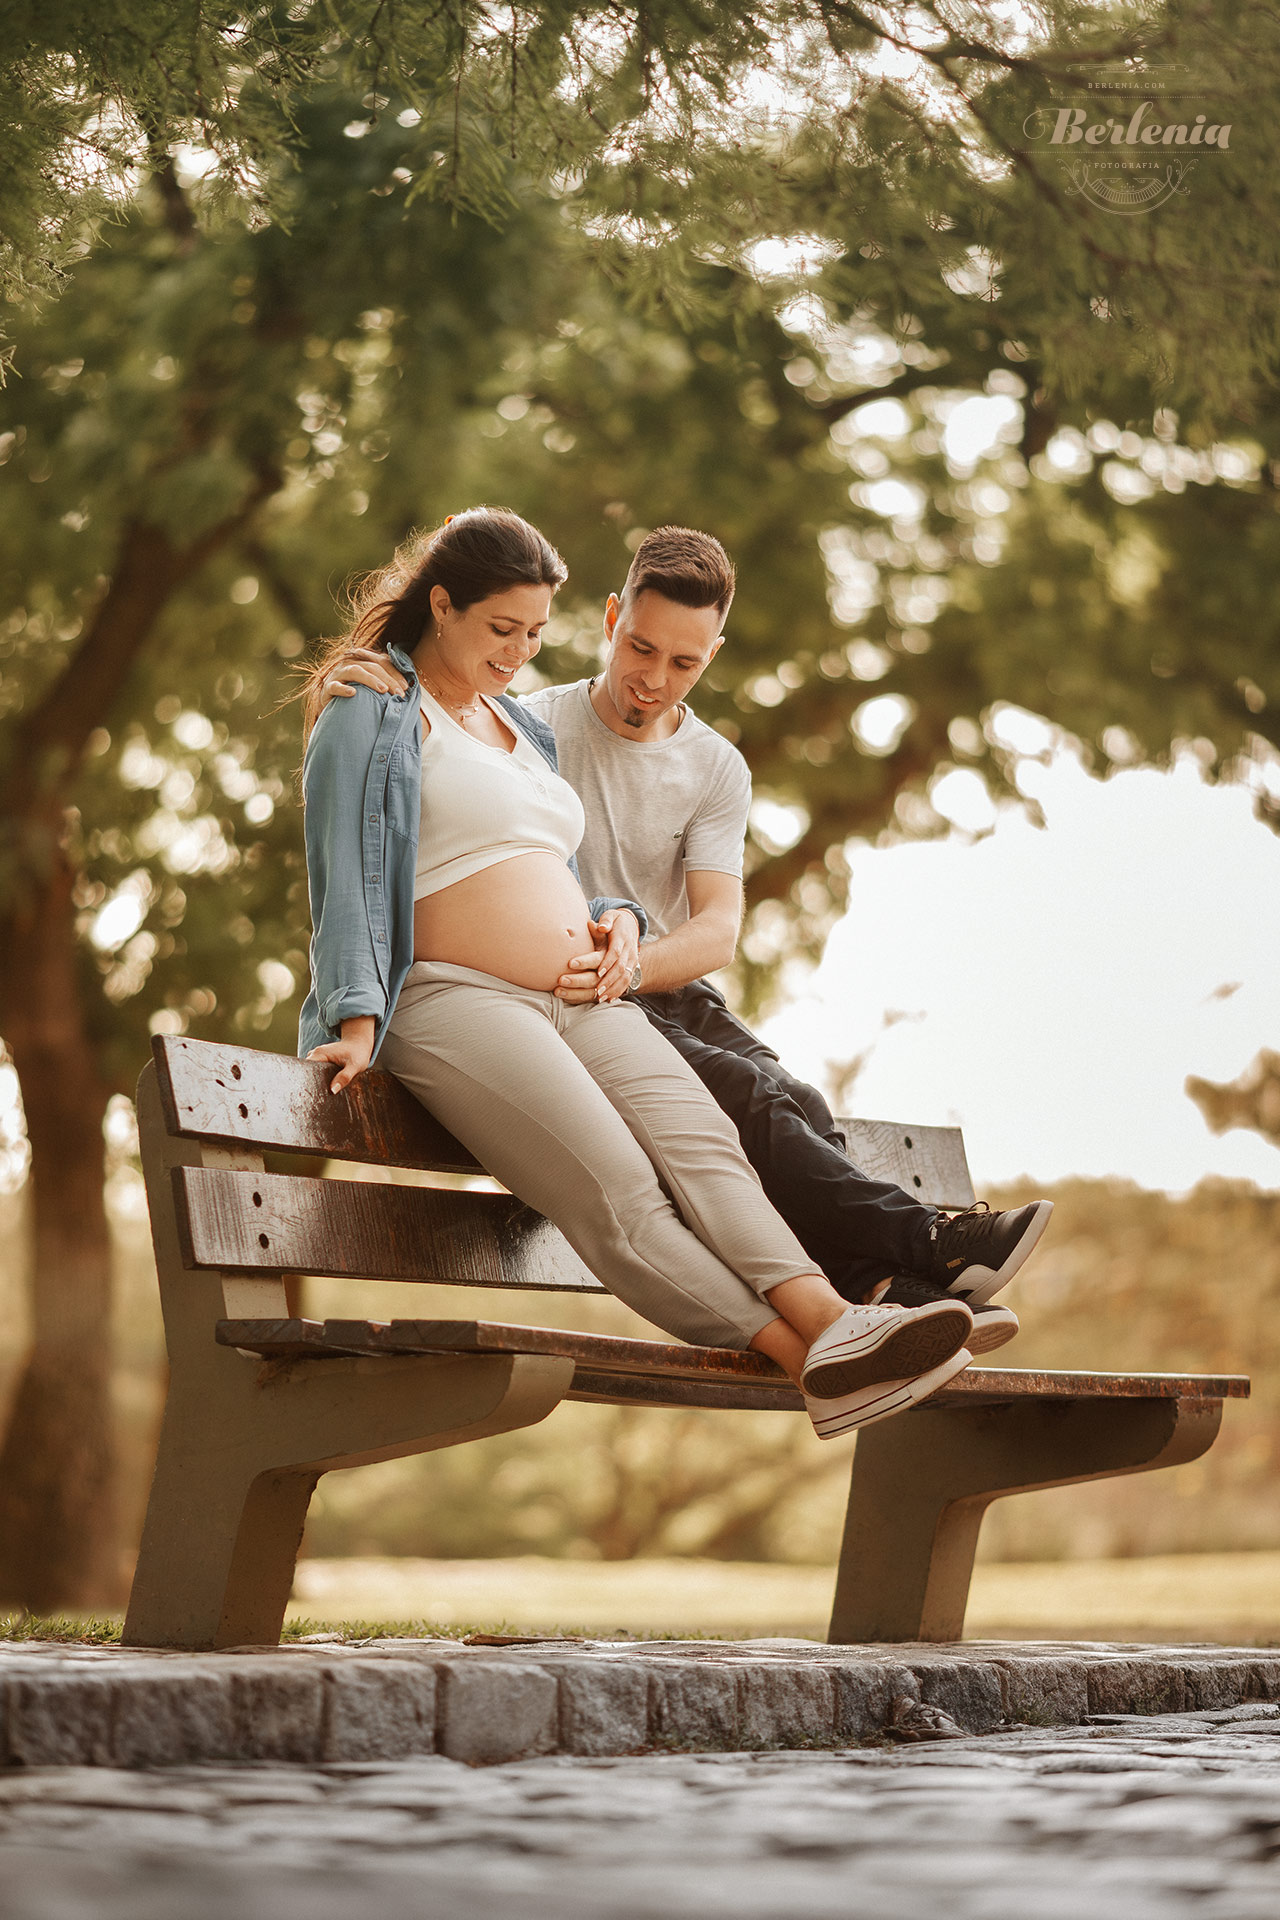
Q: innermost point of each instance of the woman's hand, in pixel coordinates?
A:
(362, 667)
(351, 1054)
(605, 973)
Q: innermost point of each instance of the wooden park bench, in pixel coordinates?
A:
(261, 1404)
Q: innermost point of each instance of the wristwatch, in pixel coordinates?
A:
(637, 974)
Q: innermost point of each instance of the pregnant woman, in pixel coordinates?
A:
(446, 906)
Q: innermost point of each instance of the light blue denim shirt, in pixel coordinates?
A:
(362, 791)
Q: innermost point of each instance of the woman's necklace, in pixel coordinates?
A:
(463, 712)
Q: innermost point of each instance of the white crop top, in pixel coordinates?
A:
(481, 806)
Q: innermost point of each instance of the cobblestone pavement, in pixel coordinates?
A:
(1127, 1818)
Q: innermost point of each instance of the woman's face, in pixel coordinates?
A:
(484, 647)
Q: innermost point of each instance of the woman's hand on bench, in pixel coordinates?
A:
(351, 1054)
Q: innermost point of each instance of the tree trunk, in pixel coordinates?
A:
(58, 1545)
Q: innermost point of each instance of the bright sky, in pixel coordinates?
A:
(1060, 984)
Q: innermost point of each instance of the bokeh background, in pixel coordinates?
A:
(1000, 470)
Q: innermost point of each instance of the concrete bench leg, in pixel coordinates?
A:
(922, 1482)
(243, 1443)
(239, 1460)
(216, 1564)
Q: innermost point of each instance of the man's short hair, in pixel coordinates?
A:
(683, 565)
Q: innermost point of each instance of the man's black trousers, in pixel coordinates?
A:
(859, 1230)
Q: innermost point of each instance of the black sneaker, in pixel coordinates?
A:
(993, 1326)
(977, 1252)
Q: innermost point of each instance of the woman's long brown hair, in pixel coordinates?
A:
(473, 555)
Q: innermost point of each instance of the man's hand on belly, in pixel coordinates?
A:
(604, 973)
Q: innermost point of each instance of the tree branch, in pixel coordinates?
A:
(149, 569)
(179, 215)
(896, 389)
(286, 595)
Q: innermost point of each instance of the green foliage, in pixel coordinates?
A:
(315, 386)
(897, 136)
(296, 392)
(1078, 597)
(91, 88)
(314, 390)
(1170, 606)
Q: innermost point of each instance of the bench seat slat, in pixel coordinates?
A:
(603, 1352)
(665, 1390)
(975, 1387)
(352, 1229)
(601, 1355)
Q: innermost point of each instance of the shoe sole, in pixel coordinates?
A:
(991, 1329)
(899, 1396)
(924, 1390)
(990, 1282)
(895, 1399)
(915, 1346)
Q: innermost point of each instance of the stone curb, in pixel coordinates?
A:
(389, 1699)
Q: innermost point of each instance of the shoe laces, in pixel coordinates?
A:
(972, 1223)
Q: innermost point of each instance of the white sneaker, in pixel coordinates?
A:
(831, 1418)
(867, 1346)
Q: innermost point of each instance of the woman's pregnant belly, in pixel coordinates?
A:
(522, 920)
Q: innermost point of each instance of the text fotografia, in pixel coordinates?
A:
(1130, 161)
(1072, 124)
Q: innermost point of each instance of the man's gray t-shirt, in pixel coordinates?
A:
(656, 809)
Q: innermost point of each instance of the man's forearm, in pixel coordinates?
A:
(700, 946)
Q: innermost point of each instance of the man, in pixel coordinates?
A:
(666, 800)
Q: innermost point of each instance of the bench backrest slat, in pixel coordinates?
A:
(353, 1229)
(237, 1096)
(270, 1101)
(927, 1162)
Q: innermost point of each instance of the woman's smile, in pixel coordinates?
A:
(454, 659)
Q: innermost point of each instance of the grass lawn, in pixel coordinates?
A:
(1233, 1598)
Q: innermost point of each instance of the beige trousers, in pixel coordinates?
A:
(582, 1111)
